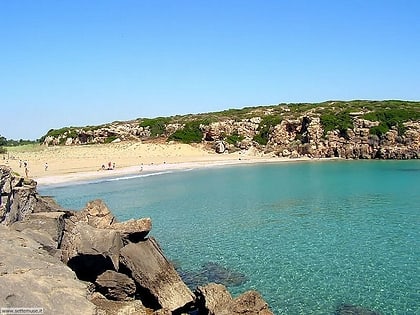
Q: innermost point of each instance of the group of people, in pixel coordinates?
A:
(111, 166)
(26, 168)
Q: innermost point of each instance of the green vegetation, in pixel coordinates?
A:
(191, 133)
(110, 139)
(234, 138)
(267, 123)
(332, 121)
(64, 133)
(391, 117)
(334, 115)
(157, 125)
(13, 143)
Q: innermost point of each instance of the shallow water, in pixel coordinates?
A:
(308, 236)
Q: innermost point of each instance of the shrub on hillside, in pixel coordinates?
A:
(157, 125)
(191, 133)
(336, 121)
(266, 124)
(392, 117)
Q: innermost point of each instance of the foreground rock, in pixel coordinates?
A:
(151, 270)
(116, 286)
(214, 299)
(29, 277)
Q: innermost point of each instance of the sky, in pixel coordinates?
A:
(77, 63)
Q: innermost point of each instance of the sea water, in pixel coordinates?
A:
(309, 236)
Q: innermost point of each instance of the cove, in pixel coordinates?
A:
(309, 236)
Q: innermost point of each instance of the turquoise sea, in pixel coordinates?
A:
(309, 236)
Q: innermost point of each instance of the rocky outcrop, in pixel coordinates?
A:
(214, 299)
(122, 270)
(116, 286)
(283, 134)
(151, 270)
(19, 198)
(30, 277)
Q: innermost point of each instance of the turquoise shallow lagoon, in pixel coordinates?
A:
(308, 236)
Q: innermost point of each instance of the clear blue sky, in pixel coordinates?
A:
(86, 62)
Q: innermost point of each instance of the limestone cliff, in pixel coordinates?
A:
(355, 129)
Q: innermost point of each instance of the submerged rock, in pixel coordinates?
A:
(347, 309)
(213, 272)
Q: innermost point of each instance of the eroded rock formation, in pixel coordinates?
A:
(290, 136)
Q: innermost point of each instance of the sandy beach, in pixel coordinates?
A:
(60, 164)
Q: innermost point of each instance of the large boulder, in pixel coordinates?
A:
(214, 299)
(90, 251)
(50, 222)
(249, 303)
(29, 277)
(96, 214)
(151, 270)
(133, 230)
(116, 286)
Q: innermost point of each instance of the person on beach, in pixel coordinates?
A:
(26, 171)
(46, 166)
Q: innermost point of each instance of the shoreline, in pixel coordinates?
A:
(147, 170)
(64, 165)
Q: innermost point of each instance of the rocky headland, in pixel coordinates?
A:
(85, 262)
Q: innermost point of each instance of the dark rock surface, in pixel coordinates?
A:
(212, 272)
(347, 309)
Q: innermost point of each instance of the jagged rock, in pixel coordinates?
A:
(96, 214)
(249, 303)
(110, 307)
(29, 277)
(133, 230)
(90, 251)
(213, 298)
(19, 198)
(216, 300)
(50, 222)
(347, 309)
(44, 227)
(116, 286)
(150, 269)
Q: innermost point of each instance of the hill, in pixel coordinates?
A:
(351, 129)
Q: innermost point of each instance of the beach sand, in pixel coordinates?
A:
(84, 162)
